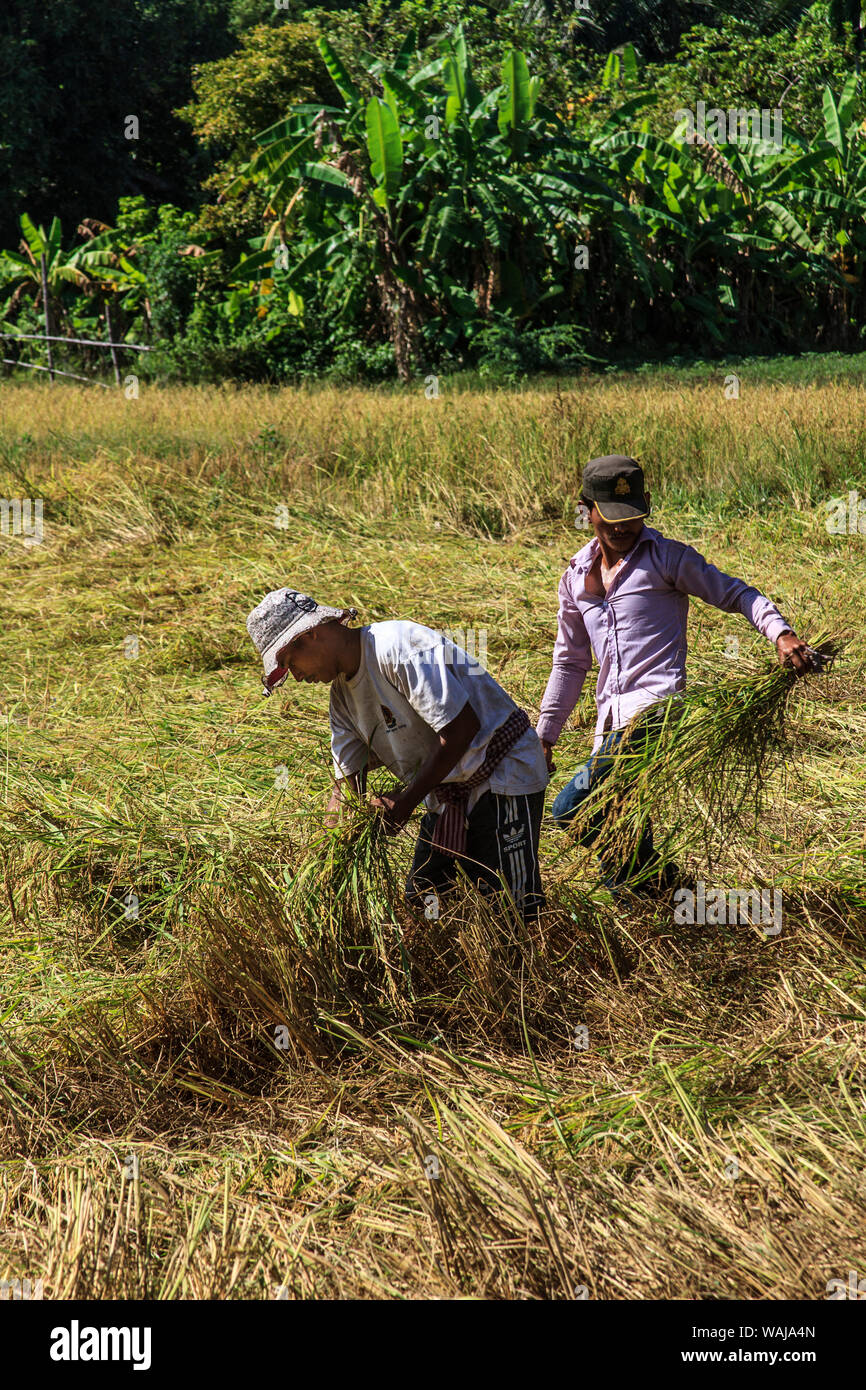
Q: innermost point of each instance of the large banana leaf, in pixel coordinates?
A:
(455, 85)
(250, 267)
(789, 174)
(341, 79)
(455, 46)
(515, 104)
(832, 123)
(848, 101)
(277, 159)
(15, 263)
(494, 223)
(55, 238)
(35, 238)
(584, 184)
(337, 186)
(790, 226)
(452, 226)
(431, 70)
(71, 275)
(427, 235)
(274, 162)
(316, 257)
(385, 146)
(463, 92)
(824, 198)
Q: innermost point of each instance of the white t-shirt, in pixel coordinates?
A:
(411, 682)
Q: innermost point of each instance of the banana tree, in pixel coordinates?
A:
(721, 218)
(21, 271)
(834, 202)
(806, 202)
(97, 266)
(440, 198)
(108, 260)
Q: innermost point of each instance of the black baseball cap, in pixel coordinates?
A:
(615, 484)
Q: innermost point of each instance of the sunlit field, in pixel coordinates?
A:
(233, 1064)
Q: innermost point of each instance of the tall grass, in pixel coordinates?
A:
(209, 457)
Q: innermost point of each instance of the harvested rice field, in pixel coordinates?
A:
(234, 1064)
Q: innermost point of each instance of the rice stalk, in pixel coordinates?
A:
(701, 766)
(344, 902)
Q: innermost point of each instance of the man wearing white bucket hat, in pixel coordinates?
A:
(405, 697)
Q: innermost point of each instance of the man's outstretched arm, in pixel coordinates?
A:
(692, 574)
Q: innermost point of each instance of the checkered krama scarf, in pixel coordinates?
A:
(450, 834)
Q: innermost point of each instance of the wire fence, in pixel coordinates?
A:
(53, 371)
(49, 338)
(86, 342)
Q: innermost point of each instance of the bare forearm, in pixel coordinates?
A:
(454, 740)
(435, 770)
(353, 785)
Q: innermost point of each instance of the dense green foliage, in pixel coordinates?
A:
(415, 189)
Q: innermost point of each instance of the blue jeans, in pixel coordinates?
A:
(598, 766)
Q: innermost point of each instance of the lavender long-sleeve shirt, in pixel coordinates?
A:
(638, 630)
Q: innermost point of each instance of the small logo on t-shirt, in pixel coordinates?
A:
(390, 721)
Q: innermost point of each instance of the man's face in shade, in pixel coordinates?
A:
(314, 656)
(618, 536)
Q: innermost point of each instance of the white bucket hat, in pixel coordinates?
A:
(283, 615)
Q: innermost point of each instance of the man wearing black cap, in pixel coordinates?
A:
(625, 598)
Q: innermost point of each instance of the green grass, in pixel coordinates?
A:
(263, 1024)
